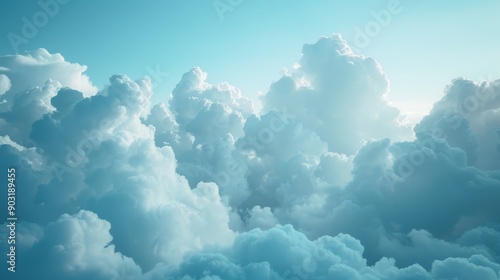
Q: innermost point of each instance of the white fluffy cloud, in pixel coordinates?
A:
(261, 217)
(319, 185)
(4, 84)
(27, 107)
(209, 111)
(37, 67)
(28, 82)
(98, 155)
(339, 95)
(74, 247)
(120, 172)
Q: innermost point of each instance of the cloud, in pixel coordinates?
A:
(4, 84)
(440, 195)
(119, 157)
(28, 82)
(28, 107)
(323, 183)
(261, 217)
(335, 169)
(209, 111)
(201, 125)
(283, 253)
(37, 67)
(476, 267)
(75, 247)
(467, 116)
(98, 155)
(418, 243)
(340, 95)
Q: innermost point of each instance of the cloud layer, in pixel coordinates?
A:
(325, 182)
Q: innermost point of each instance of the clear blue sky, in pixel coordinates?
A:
(421, 49)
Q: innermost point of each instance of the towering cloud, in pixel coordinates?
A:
(340, 95)
(324, 183)
(468, 117)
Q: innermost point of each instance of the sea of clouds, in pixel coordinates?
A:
(327, 181)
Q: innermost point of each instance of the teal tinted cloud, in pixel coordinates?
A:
(327, 181)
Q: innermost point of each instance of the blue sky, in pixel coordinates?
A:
(259, 140)
(248, 47)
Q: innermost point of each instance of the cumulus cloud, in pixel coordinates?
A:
(468, 117)
(323, 183)
(4, 84)
(28, 107)
(75, 247)
(98, 155)
(284, 253)
(340, 95)
(28, 82)
(36, 67)
(209, 111)
(391, 194)
(117, 171)
(261, 217)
